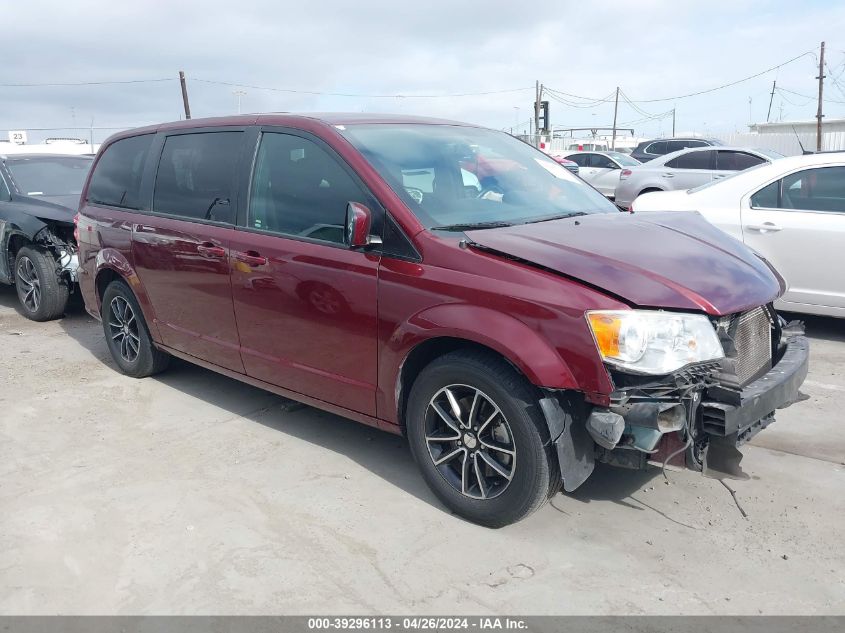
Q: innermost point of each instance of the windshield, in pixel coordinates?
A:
(49, 175)
(624, 159)
(770, 153)
(454, 176)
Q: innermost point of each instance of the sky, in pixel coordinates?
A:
(651, 49)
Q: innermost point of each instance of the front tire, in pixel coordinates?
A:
(127, 335)
(477, 434)
(42, 295)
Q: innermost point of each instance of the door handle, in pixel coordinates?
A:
(668, 175)
(250, 258)
(207, 249)
(763, 228)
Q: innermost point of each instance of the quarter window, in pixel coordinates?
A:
(658, 148)
(116, 180)
(767, 197)
(299, 189)
(692, 160)
(196, 176)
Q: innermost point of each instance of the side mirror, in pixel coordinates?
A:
(358, 222)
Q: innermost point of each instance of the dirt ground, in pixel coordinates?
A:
(192, 493)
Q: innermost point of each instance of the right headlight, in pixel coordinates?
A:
(653, 342)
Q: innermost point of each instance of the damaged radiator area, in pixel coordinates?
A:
(705, 412)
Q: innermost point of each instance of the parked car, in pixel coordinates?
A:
(515, 335)
(39, 193)
(686, 169)
(792, 212)
(565, 162)
(649, 150)
(602, 169)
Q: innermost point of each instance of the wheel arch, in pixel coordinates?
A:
(111, 265)
(443, 329)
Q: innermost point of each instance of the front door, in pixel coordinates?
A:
(798, 224)
(306, 304)
(181, 251)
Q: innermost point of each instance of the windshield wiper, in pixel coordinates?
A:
(562, 216)
(470, 226)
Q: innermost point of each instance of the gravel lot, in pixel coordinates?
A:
(193, 493)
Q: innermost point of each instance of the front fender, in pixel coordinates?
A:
(507, 335)
(15, 223)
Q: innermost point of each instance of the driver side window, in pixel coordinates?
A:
(299, 189)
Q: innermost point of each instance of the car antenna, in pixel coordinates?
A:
(804, 152)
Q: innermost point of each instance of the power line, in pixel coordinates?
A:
(360, 95)
(798, 94)
(87, 83)
(708, 90)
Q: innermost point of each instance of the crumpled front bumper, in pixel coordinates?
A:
(743, 414)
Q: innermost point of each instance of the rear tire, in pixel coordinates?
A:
(493, 475)
(127, 335)
(42, 295)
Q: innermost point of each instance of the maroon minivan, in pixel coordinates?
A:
(442, 281)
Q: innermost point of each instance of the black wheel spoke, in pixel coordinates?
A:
(30, 286)
(470, 441)
(123, 329)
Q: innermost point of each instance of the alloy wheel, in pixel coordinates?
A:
(30, 284)
(470, 441)
(123, 329)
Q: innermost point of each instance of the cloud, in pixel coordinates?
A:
(651, 48)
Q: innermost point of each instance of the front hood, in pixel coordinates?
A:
(58, 208)
(660, 260)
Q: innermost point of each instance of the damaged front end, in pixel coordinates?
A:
(706, 411)
(58, 239)
(700, 415)
(55, 237)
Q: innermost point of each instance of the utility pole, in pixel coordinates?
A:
(238, 94)
(615, 109)
(771, 98)
(819, 114)
(185, 95)
(673, 122)
(537, 110)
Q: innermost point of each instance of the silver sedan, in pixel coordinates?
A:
(601, 169)
(686, 169)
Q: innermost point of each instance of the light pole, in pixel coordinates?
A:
(239, 94)
(516, 118)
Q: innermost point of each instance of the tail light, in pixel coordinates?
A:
(76, 228)
(625, 173)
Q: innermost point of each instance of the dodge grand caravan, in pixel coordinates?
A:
(441, 281)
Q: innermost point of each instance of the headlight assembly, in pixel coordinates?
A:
(653, 342)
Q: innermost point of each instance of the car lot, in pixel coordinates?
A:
(194, 493)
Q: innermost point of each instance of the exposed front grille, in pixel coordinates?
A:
(753, 343)
(747, 341)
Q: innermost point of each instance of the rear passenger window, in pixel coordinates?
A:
(196, 176)
(299, 189)
(116, 180)
(658, 147)
(727, 160)
(692, 160)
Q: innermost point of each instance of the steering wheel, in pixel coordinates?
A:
(416, 194)
(496, 189)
